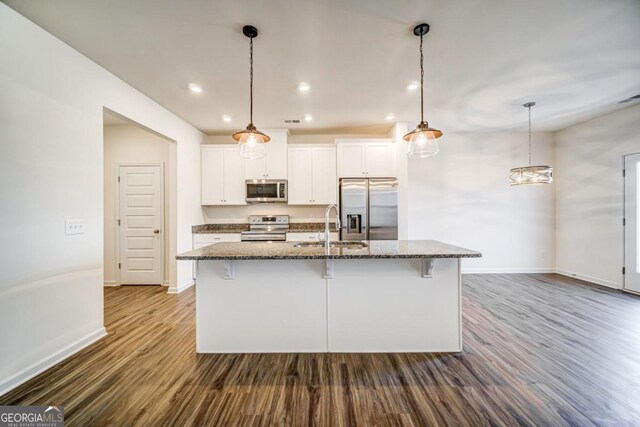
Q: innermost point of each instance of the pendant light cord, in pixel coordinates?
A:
(421, 82)
(251, 80)
(529, 135)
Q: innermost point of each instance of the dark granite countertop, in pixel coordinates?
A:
(219, 228)
(287, 250)
(299, 227)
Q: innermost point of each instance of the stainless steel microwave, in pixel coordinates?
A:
(266, 190)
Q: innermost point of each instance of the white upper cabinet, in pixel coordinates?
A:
(312, 175)
(368, 159)
(222, 175)
(324, 178)
(300, 176)
(274, 163)
(211, 175)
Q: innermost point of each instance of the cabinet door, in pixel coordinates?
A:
(233, 177)
(350, 160)
(378, 160)
(323, 165)
(273, 165)
(276, 159)
(211, 176)
(300, 176)
(255, 168)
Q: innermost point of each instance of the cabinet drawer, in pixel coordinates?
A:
(310, 237)
(205, 239)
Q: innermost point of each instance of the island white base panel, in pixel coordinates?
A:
(370, 305)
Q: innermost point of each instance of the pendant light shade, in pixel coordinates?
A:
(541, 174)
(251, 140)
(422, 141)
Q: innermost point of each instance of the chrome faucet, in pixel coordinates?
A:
(327, 244)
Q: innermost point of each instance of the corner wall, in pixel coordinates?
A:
(51, 169)
(589, 187)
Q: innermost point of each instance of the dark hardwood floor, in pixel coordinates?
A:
(539, 350)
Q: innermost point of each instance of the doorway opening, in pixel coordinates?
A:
(139, 200)
(631, 269)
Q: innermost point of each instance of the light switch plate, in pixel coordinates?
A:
(73, 226)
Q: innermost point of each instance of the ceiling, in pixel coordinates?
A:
(483, 59)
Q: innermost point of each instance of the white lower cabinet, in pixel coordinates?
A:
(315, 236)
(201, 240)
(205, 239)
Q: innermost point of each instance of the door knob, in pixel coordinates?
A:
(156, 231)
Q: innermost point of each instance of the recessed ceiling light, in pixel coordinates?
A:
(226, 118)
(304, 87)
(195, 88)
(413, 85)
(390, 116)
(308, 117)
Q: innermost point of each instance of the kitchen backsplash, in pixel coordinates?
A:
(240, 214)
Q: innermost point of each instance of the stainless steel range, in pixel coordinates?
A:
(266, 228)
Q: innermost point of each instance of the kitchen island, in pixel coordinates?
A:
(384, 296)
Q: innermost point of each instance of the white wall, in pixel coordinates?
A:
(130, 144)
(589, 188)
(462, 196)
(51, 154)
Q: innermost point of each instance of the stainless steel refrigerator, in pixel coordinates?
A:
(369, 209)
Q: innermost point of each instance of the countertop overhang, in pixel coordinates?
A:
(286, 250)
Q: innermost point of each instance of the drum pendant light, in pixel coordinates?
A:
(251, 140)
(542, 174)
(422, 140)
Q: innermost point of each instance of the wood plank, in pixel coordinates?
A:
(538, 350)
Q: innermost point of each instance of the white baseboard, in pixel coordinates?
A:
(507, 270)
(183, 287)
(589, 279)
(26, 374)
(166, 283)
(111, 283)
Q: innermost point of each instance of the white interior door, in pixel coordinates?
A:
(632, 218)
(141, 234)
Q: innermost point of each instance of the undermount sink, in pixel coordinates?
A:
(346, 245)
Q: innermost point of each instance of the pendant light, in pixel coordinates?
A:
(422, 140)
(531, 174)
(251, 140)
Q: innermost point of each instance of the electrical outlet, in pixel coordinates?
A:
(73, 226)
